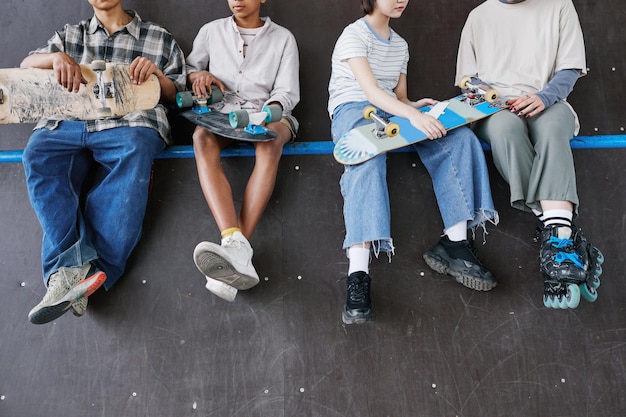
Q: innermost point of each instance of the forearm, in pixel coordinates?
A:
(39, 60)
(168, 88)
(559, 87)
(401, 107)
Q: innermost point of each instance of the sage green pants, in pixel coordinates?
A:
(533, 155)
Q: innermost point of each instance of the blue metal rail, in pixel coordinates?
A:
(326, 148)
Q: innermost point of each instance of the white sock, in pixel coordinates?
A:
(558, 216)
(458, 232)
(359, 260)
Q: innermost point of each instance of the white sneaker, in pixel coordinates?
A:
(65, 287)
(230, 263)
(221, 289)
(79, 307)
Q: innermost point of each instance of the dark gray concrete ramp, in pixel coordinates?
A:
(159, 344)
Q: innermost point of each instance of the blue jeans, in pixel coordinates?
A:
(105, 226)
(456, 164)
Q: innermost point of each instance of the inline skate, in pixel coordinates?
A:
(571, 267)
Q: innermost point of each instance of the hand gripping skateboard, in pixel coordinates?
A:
(28, 95)
(238, 125)
(365, 142)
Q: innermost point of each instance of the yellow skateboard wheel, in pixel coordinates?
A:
(392, 129)
(491, 96)
(367, 111)
(464, 82)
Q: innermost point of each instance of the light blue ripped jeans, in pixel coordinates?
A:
(456, 164)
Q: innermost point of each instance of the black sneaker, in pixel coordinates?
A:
(358, 308)
(459, 260)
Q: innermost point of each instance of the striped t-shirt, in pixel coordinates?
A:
(388, 58)
(248, 36)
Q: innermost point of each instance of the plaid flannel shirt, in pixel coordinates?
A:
(89, 40)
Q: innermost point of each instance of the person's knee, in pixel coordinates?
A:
(375, 168)
(502, 127)
(272, 150)
(27, 155)
(205, 141)
(284, 133)
(32, 148)
(269, 152)
(557, 145)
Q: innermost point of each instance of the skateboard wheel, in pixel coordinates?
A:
(274, 113)
(367, 112)
(392, 129)
(463, 84)
(104, 112)
(216, 95)
(184, 99)
(491, 96)
(238, 119)
(98, 65)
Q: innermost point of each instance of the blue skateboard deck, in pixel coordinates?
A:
(365, 142)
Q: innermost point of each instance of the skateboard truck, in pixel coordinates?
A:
(255, 129)
(1, 96)
(384, 128)
(101, 89)
(477, 94)
(107, 89)
(199, 105)
(241, 119)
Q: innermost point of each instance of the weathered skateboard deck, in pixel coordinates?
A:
(237, 125)
(28, 95)
(365, 142)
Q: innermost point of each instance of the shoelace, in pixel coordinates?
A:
(474, 253)
(232, 243)
(358, 290)
(468, 253)
(560, 243)
(561, 256)
(61, 280)
(574, 258)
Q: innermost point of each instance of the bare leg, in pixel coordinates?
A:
(263, 178)
(215, 186)
(556, 205)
